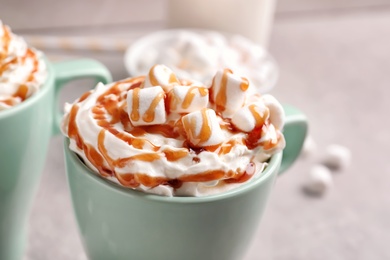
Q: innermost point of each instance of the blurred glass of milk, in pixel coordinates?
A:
(250, 18)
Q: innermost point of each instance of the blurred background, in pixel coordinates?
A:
(334, 62)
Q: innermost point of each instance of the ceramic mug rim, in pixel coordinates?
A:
(45, 87)
(271, 169)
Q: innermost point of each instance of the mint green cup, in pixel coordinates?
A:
(25, 131)
(119, 223)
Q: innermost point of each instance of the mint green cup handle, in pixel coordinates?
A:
(295, 130)
(75, 69)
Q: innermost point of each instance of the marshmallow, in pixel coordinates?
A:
(160, 75)
(309, 147)
(202, 128)
(337, 156)
(276, 111)
(228, 92)
(146, 106)
(185, 99)
(250, 116)
(319, 180)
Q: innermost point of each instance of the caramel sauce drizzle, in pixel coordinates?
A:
(174, 155)
(5, 66)
(6, 41)
(243, 176)
(135, 106)
(259, 119)
(225, 148)
(271, 143)
(22, 90)
(205, 131)
(244, 84)
(221, 97)
(8, 102)
(84, 96)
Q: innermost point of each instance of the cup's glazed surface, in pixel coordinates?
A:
(120, 223)
(25, 131)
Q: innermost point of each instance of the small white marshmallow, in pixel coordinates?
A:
(319, 180)
(228, 92)
(276, 111)
(202, 128)
(250, 116)
(185, 99)
(146, 106)
(309, 147)
(337, 157)
(160, 75)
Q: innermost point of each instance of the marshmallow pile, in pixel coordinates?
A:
(164, 135)
(319, 178)
(22, 69)
(202, 108)
(197, 55)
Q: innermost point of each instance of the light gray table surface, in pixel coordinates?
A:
(335, 68)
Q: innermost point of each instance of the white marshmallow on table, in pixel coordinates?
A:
(146, 106)
(337, 156)
(250, 116)
(202, 128)
(228, 92)
(185, 99)
(276, 111)
(309, 147)
(319, 180)
(160, 75)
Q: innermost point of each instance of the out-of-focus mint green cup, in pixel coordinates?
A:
(25, 131)
(119, 223)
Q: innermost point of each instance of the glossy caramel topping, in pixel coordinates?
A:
(6, 65)
(244, 176)
(135, 106)
(6, 41)
(221, 97)
(259, 119)
(174, 155)
(73, 131)
(134, 180)
(21, 92)
(205, 131)
(244, 84)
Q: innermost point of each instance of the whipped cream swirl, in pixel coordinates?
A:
(22, 69)
(172, 137)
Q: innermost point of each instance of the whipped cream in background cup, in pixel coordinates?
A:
(198, 53)
(129, 206)
(29, 89)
